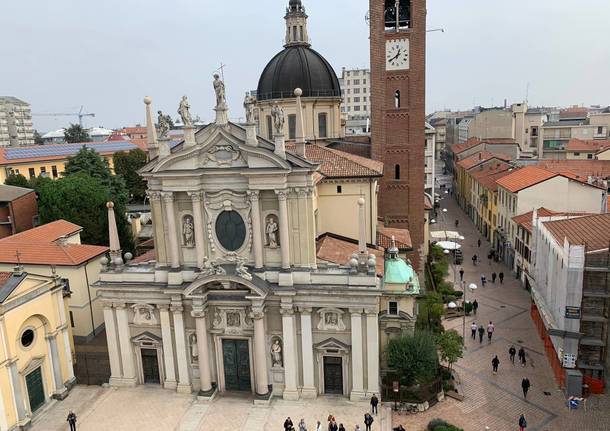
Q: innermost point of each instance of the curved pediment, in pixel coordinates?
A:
(198, 288)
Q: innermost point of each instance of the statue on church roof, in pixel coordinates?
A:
(219, 88)
(183, 110)
(277, 113)
(249, 108)
(164, 124)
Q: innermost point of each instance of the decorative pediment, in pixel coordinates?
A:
(332, 344)
(146, 338)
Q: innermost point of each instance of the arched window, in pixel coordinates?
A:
(397, 172)
(399, 20)
(294, 33)
(397, 99)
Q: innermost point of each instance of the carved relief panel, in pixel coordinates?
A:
(231, 320)
(331, 319)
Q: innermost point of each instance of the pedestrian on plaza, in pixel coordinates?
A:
(475, 306)
(493, 277)
(72, 420)
(319, 427)
(302, 426)
(490, 331)
(374, 403)
(501, 276)
(332, 425)
(483, 280)
(522, 356)
(479, 242)
(368, 421)
(525, 385)
(522, 423)
(288, 424)
(473, 330)
(481, 333)
(357, 428)
(341, 427)
(457, 222)
(330, 418)
(461, 274)
(474, 259)
(511, 353)
(494, 364)
(489, 258)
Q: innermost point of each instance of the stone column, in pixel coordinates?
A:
(17, 393)
(168, 347)
(157, 217)
(127, 359)
(309, 387)
(196, 198)
(203, 354)
(357, 371)
(172, 231)
(282, 195)
(290, 357)
(113, 348)
(66, 338)
(58, 387)
(184, 380)
(260, 352)
(257, 233)
(372, 351)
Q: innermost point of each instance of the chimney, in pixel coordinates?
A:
(300, 130)
(151, 132)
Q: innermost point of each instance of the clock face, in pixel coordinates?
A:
(397, 54)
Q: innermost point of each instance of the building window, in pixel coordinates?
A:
(27, 338)
(294, 33)
(394, 20)
(397, 99)
(589, 156)
(356, 108)
(301, 33)
(577, 154)
(600, 130)
(534, 131)
(339, 190)
(363, 81)
(269, 128)
(364, 99)
(356, 82)
(32, 172)
(292, 126)
(349, 91)
(54, 171)
(322, 125)
(397, 172)
(71, 319)
(43, 171)
(393, 308)
(356, 91)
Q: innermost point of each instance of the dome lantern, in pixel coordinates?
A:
(296, 24)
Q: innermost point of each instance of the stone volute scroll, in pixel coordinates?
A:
(188, 231)
(272, 231)
(277, 359)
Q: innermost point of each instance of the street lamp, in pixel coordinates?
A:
(472, 287)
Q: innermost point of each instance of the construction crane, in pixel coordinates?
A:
(80, 114)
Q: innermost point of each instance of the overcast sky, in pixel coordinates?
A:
(107, 55)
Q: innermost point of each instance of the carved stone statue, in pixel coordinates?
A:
(276, 353)
(183, 110)
(144, 315)
(241, 270)
(277, 113)
(194, 348)
(188, 231)
(164, 124)
(249, 108)
(233, 319)
(211, 268)
(271, 229)
(219, 88)
(217, 322)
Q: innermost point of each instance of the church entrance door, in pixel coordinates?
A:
(150, 366)
(236, 362)
(333, 375)
(33, 382)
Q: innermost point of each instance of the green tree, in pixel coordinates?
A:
(430, 312)
(414, 357)
(75, 133)
(38, 138)
(17, 180)
(127, 165)
(89, 162)
(450, 347)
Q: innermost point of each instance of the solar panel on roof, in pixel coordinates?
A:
(65, 149)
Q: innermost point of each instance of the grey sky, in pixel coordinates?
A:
(107, 55)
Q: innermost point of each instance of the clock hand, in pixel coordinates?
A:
(395, 57)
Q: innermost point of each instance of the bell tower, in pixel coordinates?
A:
(398, 60)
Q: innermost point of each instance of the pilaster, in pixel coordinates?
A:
(309, 388)
(290, 364)
(113, 348)
(184, 380)
(372, 351)
(260, 352)
(172, 231)
(196, 199)
(168, 347)
(206, 390)
(257, 233)
(357, 391)
(127, 353)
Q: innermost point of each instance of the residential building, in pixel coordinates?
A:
(54, 249)
(430, 160)
(575, 124)
(15, 122)
(36, 350)
(571, 293)
(585, 149)
(135, 132)
(356, 92)
(18, 210)
(463, 127)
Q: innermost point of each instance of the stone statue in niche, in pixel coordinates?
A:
(277, 114)
(233, 319)
(276, 352)
(271, 230)
(144, 315)
(188, 231)
(194, 348)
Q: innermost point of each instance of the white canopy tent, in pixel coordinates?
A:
(448, 245)
(444, 234)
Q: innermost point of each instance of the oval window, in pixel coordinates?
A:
(230, 230)
(27, 338)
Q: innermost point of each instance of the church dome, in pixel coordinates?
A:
(298, 67)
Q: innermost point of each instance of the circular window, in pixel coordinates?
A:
(27, 338)
(230, 230)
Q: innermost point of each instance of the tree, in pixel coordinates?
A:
(38, 138)
(17, 180)
(75, 133)
(430, 312)
(450, 346)
(89, 162)
(127, 165)
(414, 357)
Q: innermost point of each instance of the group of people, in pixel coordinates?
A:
(474, 329)
(332, 422)
(494, 276)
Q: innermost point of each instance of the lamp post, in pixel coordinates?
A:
(472, 287)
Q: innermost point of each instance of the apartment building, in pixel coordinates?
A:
(15, 122)
(429, 160)
(356, 91)
(581, 125)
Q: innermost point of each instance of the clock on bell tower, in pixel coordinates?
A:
(398, 45)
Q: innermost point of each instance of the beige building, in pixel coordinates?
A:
(356, 90)
(429, 160)
(15, 122)
(35, 349)
(55, 249)
(556, 135)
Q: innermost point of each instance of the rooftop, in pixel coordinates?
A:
(480, 157)
(593, 231)
(470, 143)
(10, 193)
(581, 168)
(402, 237)
(592, 145)
(525, 220)
(13, 100)
(337, 249)
(524, 178)
(9, 155)
(47, 232)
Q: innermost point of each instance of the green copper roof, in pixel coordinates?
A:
(397, 271)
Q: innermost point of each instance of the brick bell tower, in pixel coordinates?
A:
(398, 67)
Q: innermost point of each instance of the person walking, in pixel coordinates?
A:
(357, 428)
(490, 331)
(474, 259)
(501, 277)
(479, 242)
(511, 352)
(461, 274)
(481, 333)
(525, 385)
(319, 426)
(457, 222)
(473, 330)
(341, 427)
(522, 423)
(288, 424)
(475, 306)
(302, 426)
(483, 280)
(374, 403)
(494, 364)
(493, 277)
(522, 356)
(332, 425)
(368, 421)
(72, 420)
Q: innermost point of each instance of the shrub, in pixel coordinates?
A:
(436, 423)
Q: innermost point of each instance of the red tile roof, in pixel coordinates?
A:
(336, 249)
(47, 232)
(583, 169)
(524, 178)
(488, 178)
(145, 257)
(592, 231)
(592, 145)
(402, 237)
(475, 159)
(339, 164)
(458, 148)
(525, 220)
(4, 276)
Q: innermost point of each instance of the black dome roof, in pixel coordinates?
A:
(297, 67)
